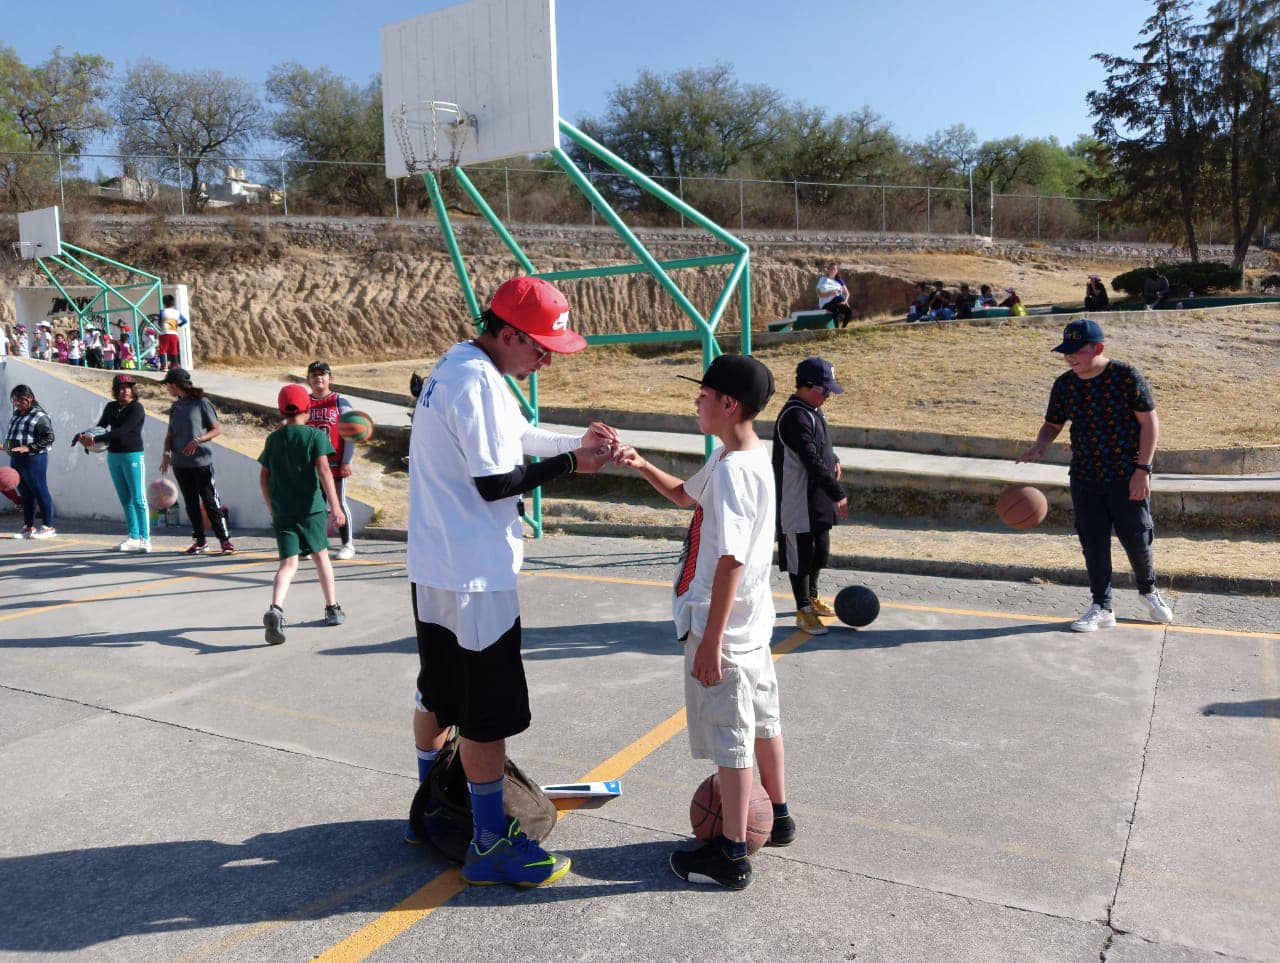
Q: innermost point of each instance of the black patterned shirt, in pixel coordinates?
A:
(1104, 425)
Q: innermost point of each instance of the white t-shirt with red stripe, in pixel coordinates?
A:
(734, 516)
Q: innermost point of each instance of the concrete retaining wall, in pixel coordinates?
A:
(79, 481)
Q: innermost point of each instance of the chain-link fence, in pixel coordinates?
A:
(524, 193)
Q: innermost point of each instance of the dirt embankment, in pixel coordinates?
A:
(361, 290)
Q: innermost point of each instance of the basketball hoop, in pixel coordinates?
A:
(432, 134)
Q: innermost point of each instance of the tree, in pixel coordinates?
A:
(809, 146)
(697, 122)
(55, 107)
(1154, 118)
(185, 119)
(947, 156)
(1246, 107)
(321, 115)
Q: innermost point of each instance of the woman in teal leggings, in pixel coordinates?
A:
(122, 421)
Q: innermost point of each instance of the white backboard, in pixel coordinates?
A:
(39, 233)
(495, 59)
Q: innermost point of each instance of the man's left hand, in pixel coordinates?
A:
(1139, 485)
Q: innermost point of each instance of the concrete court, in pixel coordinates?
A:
(971, 782)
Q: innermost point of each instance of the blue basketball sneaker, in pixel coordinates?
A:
(514, 859)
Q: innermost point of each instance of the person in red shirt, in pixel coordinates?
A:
(327, 406)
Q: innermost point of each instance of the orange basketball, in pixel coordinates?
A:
(1022, 507)
(704, 813)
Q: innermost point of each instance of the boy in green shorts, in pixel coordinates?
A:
(296, 484)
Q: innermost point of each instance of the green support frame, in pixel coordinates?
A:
(111, 298)
(701, 329)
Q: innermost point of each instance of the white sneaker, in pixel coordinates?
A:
(1096, 618)
(44, 531)
(1159, 608)
(128, 545)
(345, 551)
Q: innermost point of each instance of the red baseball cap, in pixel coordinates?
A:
(537, 308)
(293, 399)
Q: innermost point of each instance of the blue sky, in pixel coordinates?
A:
(1000, 66)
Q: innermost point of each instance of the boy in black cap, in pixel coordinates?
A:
(806, 475)
(724, 614)
(1114, 430)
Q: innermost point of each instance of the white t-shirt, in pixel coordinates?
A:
(468, 425)
(828, 288)
(734, 516)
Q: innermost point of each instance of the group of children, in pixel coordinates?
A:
(94, 347)
(933, 302)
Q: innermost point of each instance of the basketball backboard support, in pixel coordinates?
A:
(39, 233)
(494, 59)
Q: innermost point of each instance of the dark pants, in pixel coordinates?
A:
(840, 310)
(803, 556)
(196, 485)
(32, 487)
(1100, 508)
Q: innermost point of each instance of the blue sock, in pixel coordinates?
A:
(780, 810)
(732, 849)
(487, 812)
(426, 759)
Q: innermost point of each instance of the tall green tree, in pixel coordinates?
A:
(1245, 36)
(55, 106)
(810, 146)
(1154, 117)
(185, 119)
(322, 115)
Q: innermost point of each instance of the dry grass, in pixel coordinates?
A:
(1214, 374)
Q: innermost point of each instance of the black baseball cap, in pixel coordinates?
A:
(318, 366)
(819, 373)
(176, 376)
(739, 376)
(1079, 333)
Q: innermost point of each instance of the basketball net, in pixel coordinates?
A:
(432, 134)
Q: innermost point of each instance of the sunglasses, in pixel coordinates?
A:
(543, 353)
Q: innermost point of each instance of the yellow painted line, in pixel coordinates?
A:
(418, 906)
(121, 593)
(943, 610)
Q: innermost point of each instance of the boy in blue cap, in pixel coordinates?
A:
(1114, 431)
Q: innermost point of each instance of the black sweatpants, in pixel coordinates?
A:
(803, 556)
(1101, 508)
(196, 485)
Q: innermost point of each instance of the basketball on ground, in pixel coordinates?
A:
(857, 605)
(355, 425)
(1022, 507)
(705, 816)
(9, 479)
(162, 493)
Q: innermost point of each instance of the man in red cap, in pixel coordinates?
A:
(467, 475)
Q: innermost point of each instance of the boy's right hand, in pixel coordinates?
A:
(339, 519)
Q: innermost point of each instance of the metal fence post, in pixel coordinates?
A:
(506, 190)
(991, 188)
(795, 189)
(742, 208)
(971, 226)
(884, 211)
(928, 210)
(182, 201)
(62, 191)
(395, 196)
(284, 185)
(680, 191)
(1037, 217)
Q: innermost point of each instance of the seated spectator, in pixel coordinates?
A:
(1155, 289)
(965, 302)
(1013, 303)
(919, 306)
(985, 298)
(1095, 294)
(833, 295)
(940, 306)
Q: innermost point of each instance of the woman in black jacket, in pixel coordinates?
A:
(28, 441)
(122, 421)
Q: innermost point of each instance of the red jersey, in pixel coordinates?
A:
(323, 414)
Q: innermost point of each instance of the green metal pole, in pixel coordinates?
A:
(633, 242)
(708, 260)
(451, 242)
(744, 309)
(478, 200)
(107, 260)
(657, 190)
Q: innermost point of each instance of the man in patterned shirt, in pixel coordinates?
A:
(1114, 430)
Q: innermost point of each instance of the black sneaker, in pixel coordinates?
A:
(710, 865)
(333, 615)
(784, 831)
(274, 622)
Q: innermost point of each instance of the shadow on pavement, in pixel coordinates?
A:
(1254, 709)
